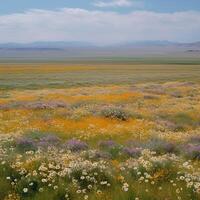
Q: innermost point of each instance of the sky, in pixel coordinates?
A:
(101, 22)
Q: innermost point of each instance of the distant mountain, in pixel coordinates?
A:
(65, 50)
(77, 44)
(59, 44)
(147, 43)
(191, 45)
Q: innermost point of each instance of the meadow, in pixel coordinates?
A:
(100, 131)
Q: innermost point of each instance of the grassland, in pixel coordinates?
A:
(37, 76)
(111, 131)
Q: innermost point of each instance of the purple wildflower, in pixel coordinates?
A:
(132, 151)
(49, 140)
(193, 151)
(75, 145)
(107, 144)
(195, 139)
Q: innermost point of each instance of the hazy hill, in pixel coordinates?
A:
(65, 50)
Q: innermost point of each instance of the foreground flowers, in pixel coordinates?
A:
(55, 172)
(133, 142)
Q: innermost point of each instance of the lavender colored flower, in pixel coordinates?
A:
(75, 145)
(4, 107)
(160, 146)
(132, 151)
(193, 151)
(49, 140)
(195, 139)
(107, 144)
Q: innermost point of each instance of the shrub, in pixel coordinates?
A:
(25, 144)
(115, 113)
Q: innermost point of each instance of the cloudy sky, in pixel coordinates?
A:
(99, 21)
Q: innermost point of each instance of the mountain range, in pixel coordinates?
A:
(77, 44)
(62, 50)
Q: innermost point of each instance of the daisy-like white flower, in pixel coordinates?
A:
(25, 190)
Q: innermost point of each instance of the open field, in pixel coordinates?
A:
(37, 76)
(121, 131)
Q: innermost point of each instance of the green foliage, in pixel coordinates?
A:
(4, 187)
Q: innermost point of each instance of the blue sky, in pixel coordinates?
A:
(99, 21)
(12, 6)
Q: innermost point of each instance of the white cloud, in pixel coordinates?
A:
(114, 3)
(98, 26)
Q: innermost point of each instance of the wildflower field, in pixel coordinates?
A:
(100, 131)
